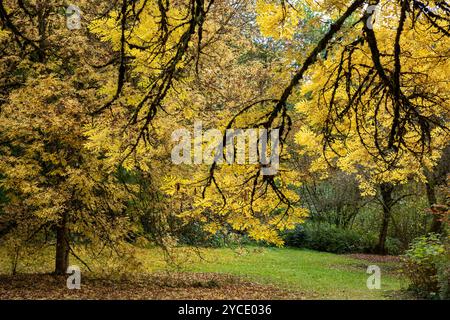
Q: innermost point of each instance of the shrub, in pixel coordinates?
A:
(193, 234)
(329, 238)
(394, 246)
(295, 237)
(426, 264)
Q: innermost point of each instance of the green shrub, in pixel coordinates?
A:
(295, 237)
(393, 246)
(426, 264)
(193, 234)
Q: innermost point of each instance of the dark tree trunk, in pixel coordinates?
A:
(386, 196)
(62, 247)
(436, 224)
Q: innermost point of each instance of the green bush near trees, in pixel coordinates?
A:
(326, 237)
(427, 265)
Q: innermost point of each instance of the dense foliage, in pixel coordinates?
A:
(426, 264)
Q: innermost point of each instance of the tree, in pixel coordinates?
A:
(375, 103)
(54, 183)
(229, 73)
(371, 109)
(82, 134)
(437, 177)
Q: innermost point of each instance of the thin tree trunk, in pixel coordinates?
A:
(436, 224)
(62, 247)
(386, 196)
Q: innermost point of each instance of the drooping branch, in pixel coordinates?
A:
(279, 110)
(387, 85)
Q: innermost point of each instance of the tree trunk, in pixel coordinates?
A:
(436, 224)
(386, 196)
(62, 246)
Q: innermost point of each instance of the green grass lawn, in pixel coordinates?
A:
(317, 275)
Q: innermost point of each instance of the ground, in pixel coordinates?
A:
(159, 286)
(239, 273)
